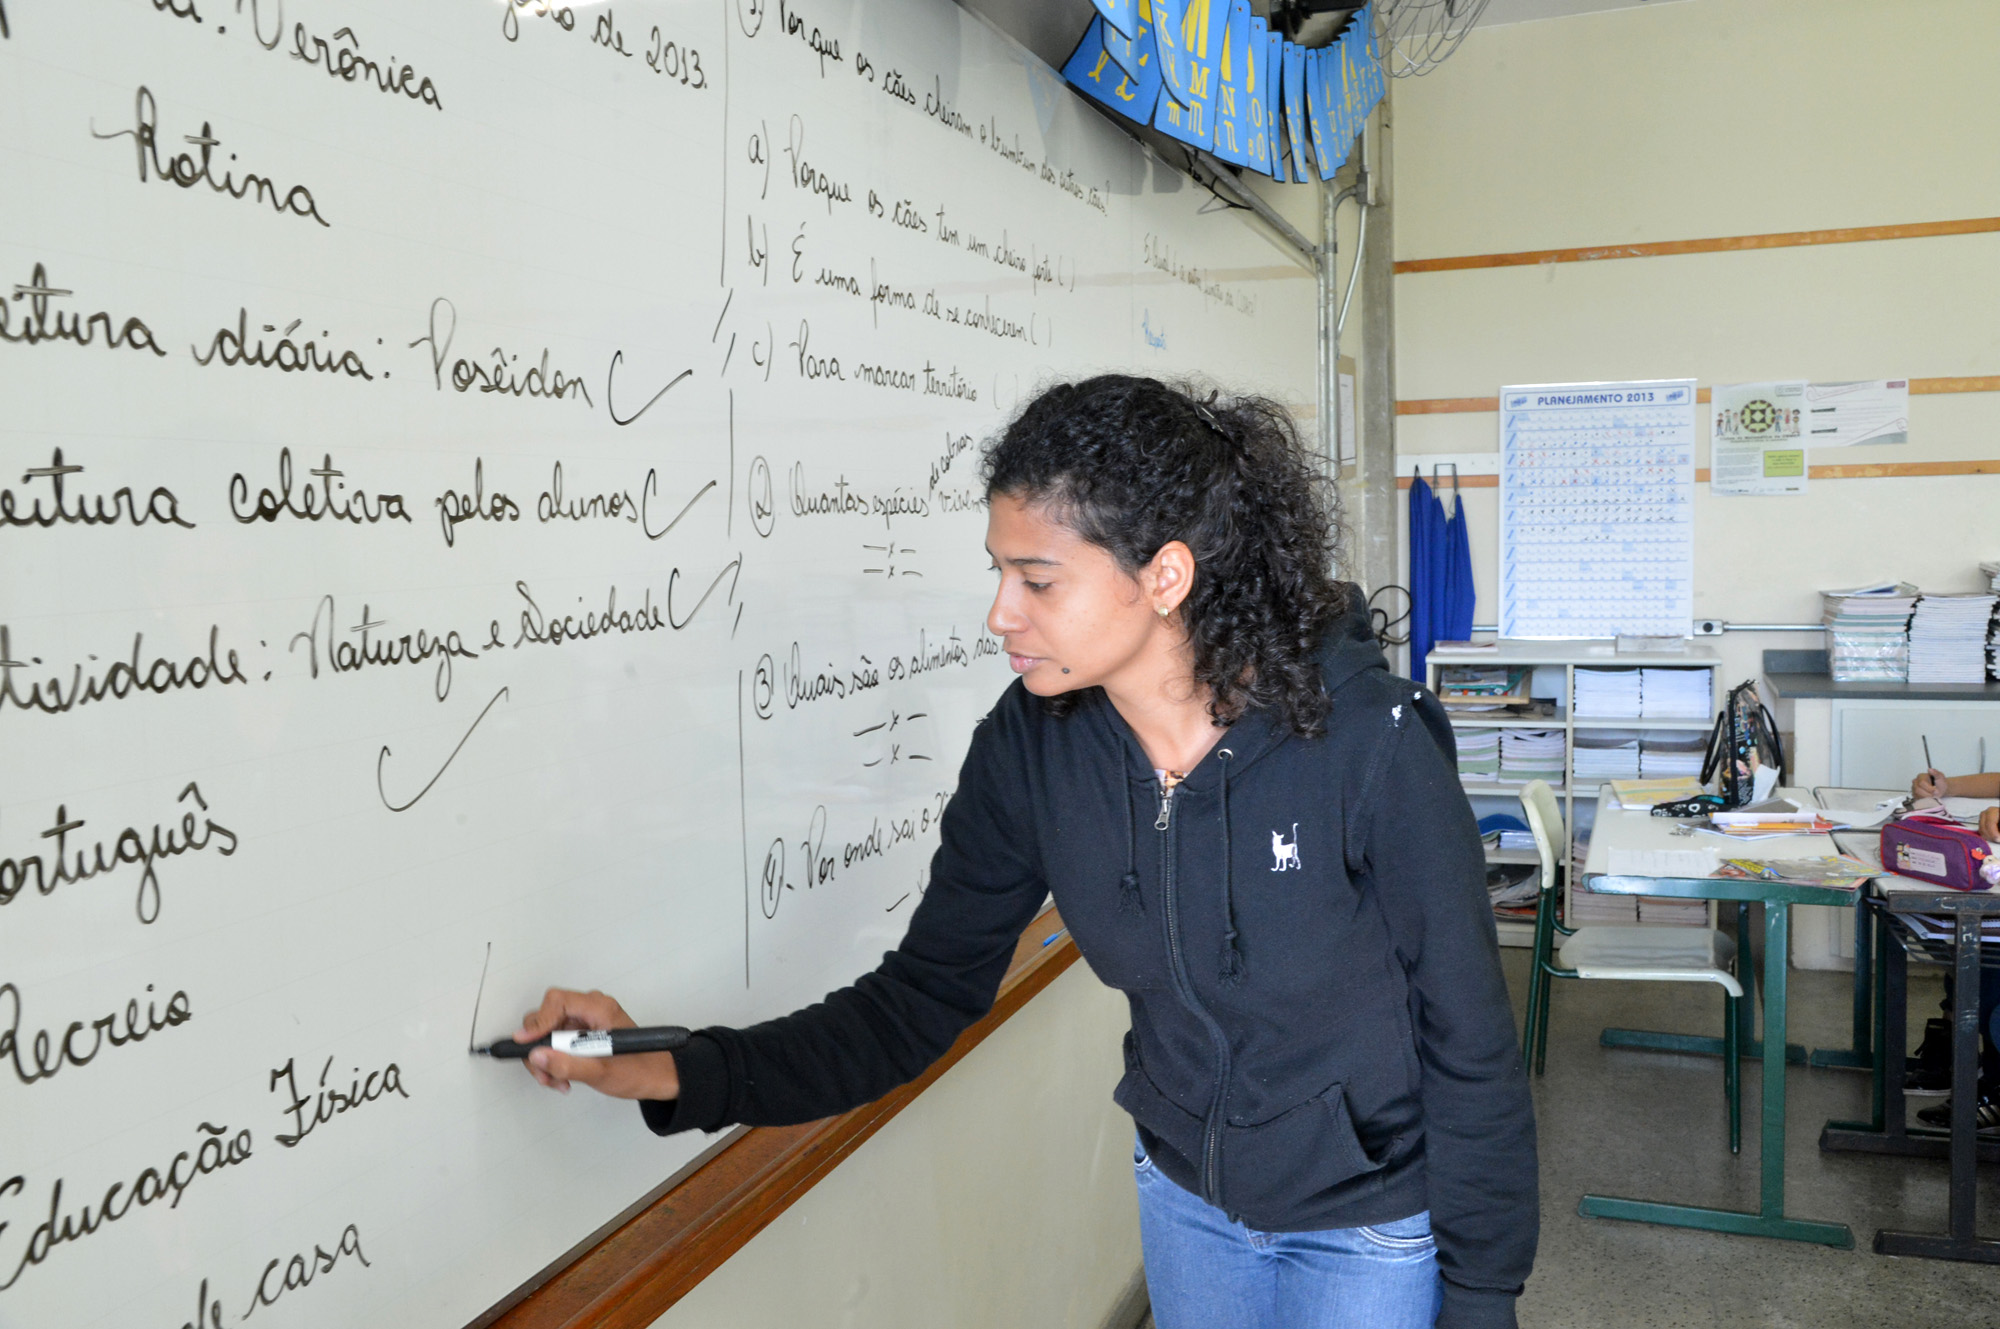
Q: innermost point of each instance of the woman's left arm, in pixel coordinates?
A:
(1424, 856)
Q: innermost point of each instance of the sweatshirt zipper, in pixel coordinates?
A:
(1211, 1161)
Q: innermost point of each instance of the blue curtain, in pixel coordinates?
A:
(1441, 595)
(1427, 565)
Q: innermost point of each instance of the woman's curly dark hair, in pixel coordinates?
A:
(1131, 463)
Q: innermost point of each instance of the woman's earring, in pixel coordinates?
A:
(1164, 611)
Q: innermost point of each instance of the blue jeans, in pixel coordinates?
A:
(1205, 1270)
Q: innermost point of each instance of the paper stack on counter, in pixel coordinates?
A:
(1610, 692)
(1948, 638)
(1867, 633)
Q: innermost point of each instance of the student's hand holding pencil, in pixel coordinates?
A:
(645, 1075)
(1931, 784)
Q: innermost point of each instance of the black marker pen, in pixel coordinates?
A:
(593, 1042)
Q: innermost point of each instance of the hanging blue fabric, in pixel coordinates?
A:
(1454, 619)
(1426, 570)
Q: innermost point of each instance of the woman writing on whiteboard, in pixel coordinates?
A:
(1255, 831)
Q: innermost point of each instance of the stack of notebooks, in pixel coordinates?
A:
(1948, 638)
(1478, 754)
(1483, 687)
(1531, 754)
(1674, 694)
(1867, 632)
(1605, 754)
(1666, 756)
(1610, 692)
(1673, 912)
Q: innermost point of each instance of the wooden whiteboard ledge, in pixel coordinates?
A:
(630, 1278)
(1874, 470)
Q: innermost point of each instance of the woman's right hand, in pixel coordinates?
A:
(644, 1075)
(1931, 784)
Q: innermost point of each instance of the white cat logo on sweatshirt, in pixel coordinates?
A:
(1286, 852)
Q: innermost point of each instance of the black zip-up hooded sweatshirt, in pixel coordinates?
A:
(1321, 1036)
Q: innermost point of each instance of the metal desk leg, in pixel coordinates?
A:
(1770, 1219)
(1859, 1056)
(1890, 1132)
(1962, 1241)
(1748, 1045)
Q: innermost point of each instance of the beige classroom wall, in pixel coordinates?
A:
(1706, 118)
(1716, 118)
(1001, 1197)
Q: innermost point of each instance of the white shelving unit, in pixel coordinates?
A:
(1554, 679)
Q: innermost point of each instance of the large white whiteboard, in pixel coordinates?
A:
(753, 282)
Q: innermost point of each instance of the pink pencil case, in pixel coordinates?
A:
(1934, 849)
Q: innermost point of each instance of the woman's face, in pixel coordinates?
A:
(1068, 615)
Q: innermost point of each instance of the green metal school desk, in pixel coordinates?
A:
(1894, 902)
(1616, 828)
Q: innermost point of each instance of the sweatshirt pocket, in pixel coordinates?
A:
(1270, 1168)
(1168, 1122)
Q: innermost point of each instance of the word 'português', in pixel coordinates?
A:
(130, 846)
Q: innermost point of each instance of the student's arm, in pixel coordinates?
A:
(1936, 784)
(866, 1039)
(1425, 860)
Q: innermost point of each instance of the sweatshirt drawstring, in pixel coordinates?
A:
(1128, 885)
(1232, 953)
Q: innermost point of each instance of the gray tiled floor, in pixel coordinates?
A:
(1652, 1126)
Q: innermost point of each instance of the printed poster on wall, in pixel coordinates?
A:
(1756, 433)
(1596, 509)
(1840, 415)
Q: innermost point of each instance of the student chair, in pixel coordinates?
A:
(1647, 954)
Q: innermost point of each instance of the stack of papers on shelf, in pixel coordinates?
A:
(1948, 638)
(1483, 687)
(1667, 756)
(1606, 754)
(1661, 863)
(1674, 694)
(1673, 911)
(1587, 906)
(1613, 692)
(1478, 753)
(1517, 840)
(1867, 633)
(1991, 571)
(1939, 927)
(1639, 795)
(1531, 754)
(1515, 888)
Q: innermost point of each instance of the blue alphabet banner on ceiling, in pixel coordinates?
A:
(1274, 118)
(1092, 72)
(1121, 16)
(1133, 52)
(1235, 90)
(1215, 76)
(1190, 115)
(1189, 37)
(1257, 102)
(1295, 108)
